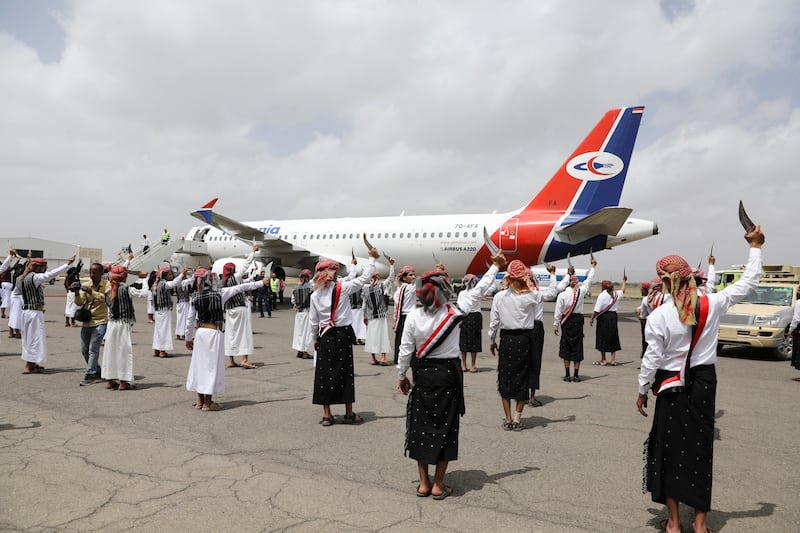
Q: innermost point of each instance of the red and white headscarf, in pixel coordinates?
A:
(323, 267)
(469, 281)
(435, 289)
(607, 286)
(305, 273)
(676, 274)
(117, 275)
(204, 278)
(407, 269)
(517, 271)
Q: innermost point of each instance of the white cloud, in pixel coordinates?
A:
(281, 108)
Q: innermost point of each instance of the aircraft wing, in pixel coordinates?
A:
(606, 221)
(269, 245)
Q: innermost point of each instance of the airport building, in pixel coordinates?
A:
(56, 253)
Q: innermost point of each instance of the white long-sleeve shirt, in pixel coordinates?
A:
(668, 338)
(320, 313)
(511, 310)
(564, 300)
(9, 262)
(420, 325)
(44, 277)
(604, 299)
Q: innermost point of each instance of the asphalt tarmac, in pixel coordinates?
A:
(83, 458)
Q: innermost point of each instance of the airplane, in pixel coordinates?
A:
(577, 212)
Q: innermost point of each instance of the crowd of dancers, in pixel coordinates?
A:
(679, 313)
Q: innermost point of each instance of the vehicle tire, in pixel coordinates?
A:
(784, 351)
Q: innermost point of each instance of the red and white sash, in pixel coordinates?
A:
(614, 297)
(335, 297)
(571, 308)
(441, 331)
(679, 379)
(398, 308)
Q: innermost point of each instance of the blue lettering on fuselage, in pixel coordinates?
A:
(271, 230)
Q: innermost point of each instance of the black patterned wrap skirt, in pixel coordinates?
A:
(434, 410)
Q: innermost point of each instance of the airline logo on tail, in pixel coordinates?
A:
(594, 166)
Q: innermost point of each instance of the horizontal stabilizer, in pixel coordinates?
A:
(606, 221)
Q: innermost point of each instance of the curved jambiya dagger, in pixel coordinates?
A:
(367, 243)
(745, 220)
(491, 246)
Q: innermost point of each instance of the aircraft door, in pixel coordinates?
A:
(508, 235)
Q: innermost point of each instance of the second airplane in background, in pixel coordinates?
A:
(576, 212)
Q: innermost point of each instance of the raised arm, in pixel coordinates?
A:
(470, 296)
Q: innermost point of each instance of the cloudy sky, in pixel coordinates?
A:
(122, 117)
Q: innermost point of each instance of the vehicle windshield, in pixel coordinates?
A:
(780, 296)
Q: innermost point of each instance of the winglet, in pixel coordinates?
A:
(205, 211)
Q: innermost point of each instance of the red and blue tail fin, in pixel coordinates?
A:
(592, 177)
(589, 181)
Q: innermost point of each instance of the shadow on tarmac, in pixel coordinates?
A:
(470, 480)
(717, 519)
(34, 424)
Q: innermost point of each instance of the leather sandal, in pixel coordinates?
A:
(352, 419)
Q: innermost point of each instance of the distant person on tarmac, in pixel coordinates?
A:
(29, 286)
(92, 294)
(238, 318)
(605, 313)
(568, 320)
(146, 243)
(118, 349)
(303, 338)
(162, 303)
(165, 236)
